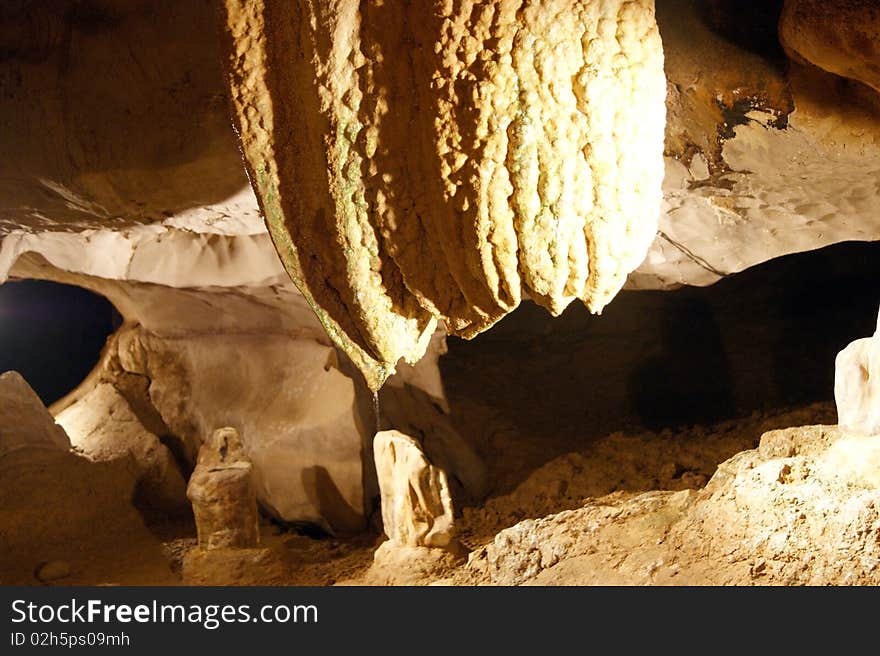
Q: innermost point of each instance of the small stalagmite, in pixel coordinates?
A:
(857, 386)
(223, 495)
(416, 504)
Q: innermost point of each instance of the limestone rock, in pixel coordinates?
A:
(223, 495)
(416, 505)
(61, 515)
(102, 426)
(857, 386)
(783, 513)
(57, 506)
(24, 420)
(394, 564)
(225, 566)
(415, 413)
(295, 411)
(840, 36)
(536, 140)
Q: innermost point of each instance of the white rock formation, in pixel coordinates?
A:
(103, 427)
(24, 420)
(857, 386)
(416, 504)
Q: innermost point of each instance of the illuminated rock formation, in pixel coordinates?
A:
(103, 427)
(416, 505)
(428, 161)
(222, 492)
(453, 218)
(63, 512)
(857, 386)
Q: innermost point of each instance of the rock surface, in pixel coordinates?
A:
(411, 411)
(783, 513)
(56, 506)
(304, 437)
(24, 420)
(223, 496)
(225, 566)
(857, 386)
(839, 36)
(103, 427)
(416, 503)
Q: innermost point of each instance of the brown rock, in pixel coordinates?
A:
(839, 36)
(222, 493)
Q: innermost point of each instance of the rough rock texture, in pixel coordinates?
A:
(103, 427)
(394, 564)
(857, 386)
(222, 492)
(839, 36)
(416, 504)
(764, 157)
(531, 161)
(787, 512)
(200, 357)
(24, 420)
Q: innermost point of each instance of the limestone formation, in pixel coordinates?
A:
(778, 514)
(857, 386)
(416, 505)
(62, 515)
(207, 357)
(222, 492)
(412, 412)
(103, 427)
(840, 36)
(304, 437)
(443, 159)
(24, 420)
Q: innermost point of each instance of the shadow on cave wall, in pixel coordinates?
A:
(761, 340)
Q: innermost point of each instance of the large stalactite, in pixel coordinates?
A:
(424, 161)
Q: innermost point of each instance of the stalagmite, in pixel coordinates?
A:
(418, 161)
(416, 505)
(857, 386)
(222, 493)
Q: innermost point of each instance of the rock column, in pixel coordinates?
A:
(222, 493)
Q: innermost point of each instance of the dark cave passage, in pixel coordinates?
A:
(761, 340)
(52, 334)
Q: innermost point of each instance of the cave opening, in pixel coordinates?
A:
(760, 342)
(52, 334)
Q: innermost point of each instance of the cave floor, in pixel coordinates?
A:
(620, 468)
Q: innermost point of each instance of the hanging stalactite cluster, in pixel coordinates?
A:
(440, 160)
